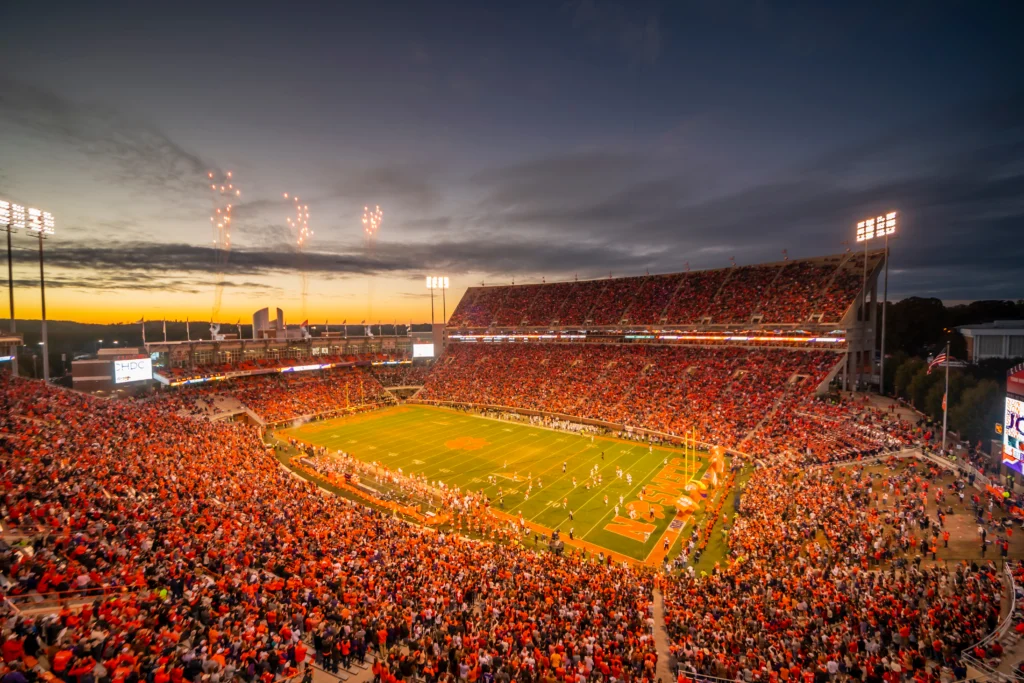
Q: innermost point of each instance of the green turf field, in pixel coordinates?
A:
(464, 450)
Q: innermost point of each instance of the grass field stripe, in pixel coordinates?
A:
(507, 444)
(417, 440)
(412, 434)
(557, 464)
(457, 453)
(438, 465)
(649, 476)
(603, 488)
(619, 453)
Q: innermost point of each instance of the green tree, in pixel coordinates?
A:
(958, 383)
(905, 375)
(914, 324)
(892, 365)
(979, 409)
(921, 385)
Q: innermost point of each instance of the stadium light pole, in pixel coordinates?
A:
(438, 282)
(12, 219)
(442, 282)
(867, 230)
(430, 286)
(40, 224)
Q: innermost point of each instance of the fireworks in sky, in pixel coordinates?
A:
(299, 225)
(372, 220)
(225, 193)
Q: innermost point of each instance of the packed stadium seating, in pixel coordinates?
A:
(810, 591)
(811, 431)
(653, 297)
(723, 392)
(786, 293)
(253, 364)
(279, 397)
(150, 518)
(403, 375)
(200, 558)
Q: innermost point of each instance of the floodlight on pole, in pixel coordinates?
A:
(437, 282)
(867, 230)
(12, 219)
(41, 225)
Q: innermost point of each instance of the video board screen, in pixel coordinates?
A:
(422, 350)
(1013, 432)
(134, 370)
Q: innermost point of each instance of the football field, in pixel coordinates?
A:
(495, 456)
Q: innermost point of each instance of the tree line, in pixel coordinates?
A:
(916, 330)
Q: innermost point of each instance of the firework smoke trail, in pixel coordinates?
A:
(224, 195)
(300, 226)
(372, 220)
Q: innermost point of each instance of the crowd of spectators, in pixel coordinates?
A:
(513, 306)
(176, 374)
(844, 287)
(796, 293)
(150, 517)
(825, 580)
(281, 397)
(581, 300)
(209, 562)
(547, 302)
(615, 299)
(200, 400)
(812, 430)
(722, 392)
(740, 296)
(402, 375)
(653, 297)
(790, 292)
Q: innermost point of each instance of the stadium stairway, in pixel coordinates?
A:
(661, 639)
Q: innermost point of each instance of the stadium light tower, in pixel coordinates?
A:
(40, 224)
(437, 282)
(12, 219)
(867, 230)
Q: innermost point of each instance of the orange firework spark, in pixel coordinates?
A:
(372, 221)
(300, 224)
(224, 194)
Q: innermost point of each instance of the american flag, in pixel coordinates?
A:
(938, 360)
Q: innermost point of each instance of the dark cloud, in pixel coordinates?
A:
(147, 261)
(138, 281)
(122, 148)
(956, 178)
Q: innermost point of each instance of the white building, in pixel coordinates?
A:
(999, 339)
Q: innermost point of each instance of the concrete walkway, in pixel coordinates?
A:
(661, 639)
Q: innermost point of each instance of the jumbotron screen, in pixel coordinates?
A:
(134, 370)
(1013, 435)
(422, 350)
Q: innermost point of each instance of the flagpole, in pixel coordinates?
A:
(143, 321)
(945, 402)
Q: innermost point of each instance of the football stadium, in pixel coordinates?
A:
(581, 460)
(641, 472)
